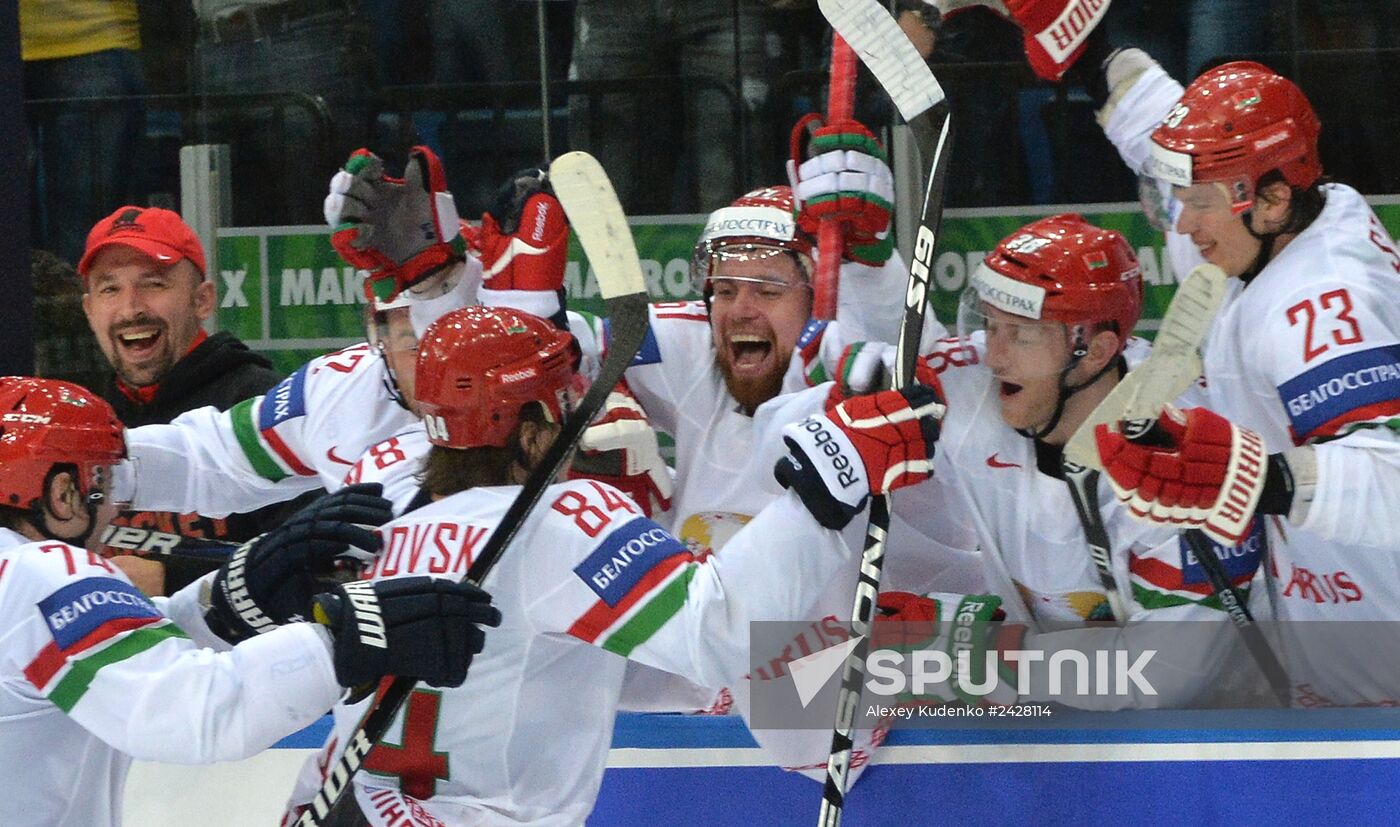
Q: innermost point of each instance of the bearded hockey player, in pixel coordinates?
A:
(590, 583)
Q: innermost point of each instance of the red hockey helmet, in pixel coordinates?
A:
(1062, 269)
(1233, 124)
(756, 225)
(478, 366)
(43, 422)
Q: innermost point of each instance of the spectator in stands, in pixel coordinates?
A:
(146, 297)
(620, 39)
(85, 153)
(317, 54)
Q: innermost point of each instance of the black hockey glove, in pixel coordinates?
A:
(424, 628)
(271, 579)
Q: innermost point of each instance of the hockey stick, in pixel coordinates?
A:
(593, 210)
(1172, 366)
(840, 106)
(904, 75)
(147, 542)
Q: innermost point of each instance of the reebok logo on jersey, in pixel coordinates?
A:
(369, 618)
(624, 557)
(1353, 387)
(235, 589)
(284, 402)
(76, 610)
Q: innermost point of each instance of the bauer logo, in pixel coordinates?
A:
(1238, 561)
(284, 402)
(78, 609)
(1351, 388)
(625, 557)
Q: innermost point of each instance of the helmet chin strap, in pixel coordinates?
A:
(38, 511)
(1066, 390)
(1266, 248)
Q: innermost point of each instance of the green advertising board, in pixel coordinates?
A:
(286, 293)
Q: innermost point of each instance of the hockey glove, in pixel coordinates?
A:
(402, 230)
(620, 449)
(271, 579)
(865, 445)
(845, 177)
(867, 367)
(425, 628)
(1191, 468)
(523, 242)
(950, 624)
(1055, 30)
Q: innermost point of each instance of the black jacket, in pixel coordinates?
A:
(222, 372)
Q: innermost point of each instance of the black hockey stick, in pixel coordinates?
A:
(147, 542)
(906, 78)
(596, 217)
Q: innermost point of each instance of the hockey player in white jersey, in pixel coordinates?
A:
(310, 430)
(1045, 334)
(590, 582)
(93, 673)
(1300, 364)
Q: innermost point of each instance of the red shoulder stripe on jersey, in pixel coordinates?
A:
(1365, 413)
(288, 456)
(601, 616)
(51, 658)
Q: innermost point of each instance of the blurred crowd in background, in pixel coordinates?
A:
(685, 103)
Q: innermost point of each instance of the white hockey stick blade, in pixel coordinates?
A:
(887, 51)
(1171, 367)
(597, 219)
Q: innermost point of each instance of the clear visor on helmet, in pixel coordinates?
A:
(1017, 346)
(109, 482)
(711, 256)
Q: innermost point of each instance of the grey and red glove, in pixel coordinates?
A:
(404, 231)
(1190, 468)
(865, 445)
(425, 628)
(620, 449)
(1055, 30)
(523, 243)
(840, 172)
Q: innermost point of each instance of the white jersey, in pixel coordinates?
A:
(1309, 353)
(1036, 554)
(588, 585)
(93, 674)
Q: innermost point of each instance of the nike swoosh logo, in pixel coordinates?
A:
(993, 462)
(330, 455)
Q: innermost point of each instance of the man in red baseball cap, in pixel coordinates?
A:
(146, 297)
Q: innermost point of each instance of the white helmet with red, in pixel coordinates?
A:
(757, 225)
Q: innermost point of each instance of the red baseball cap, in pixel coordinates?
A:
(160, 234)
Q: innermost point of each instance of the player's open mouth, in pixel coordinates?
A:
(140, 341)
(748, 352)
(1009, 389)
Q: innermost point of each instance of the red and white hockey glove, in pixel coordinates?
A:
(866, 445)
(846, 177)
(523, 242)
(1192, 468)
(1055, 30)
(402, 230)
(620, 449)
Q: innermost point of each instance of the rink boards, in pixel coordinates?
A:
(1154, 768)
